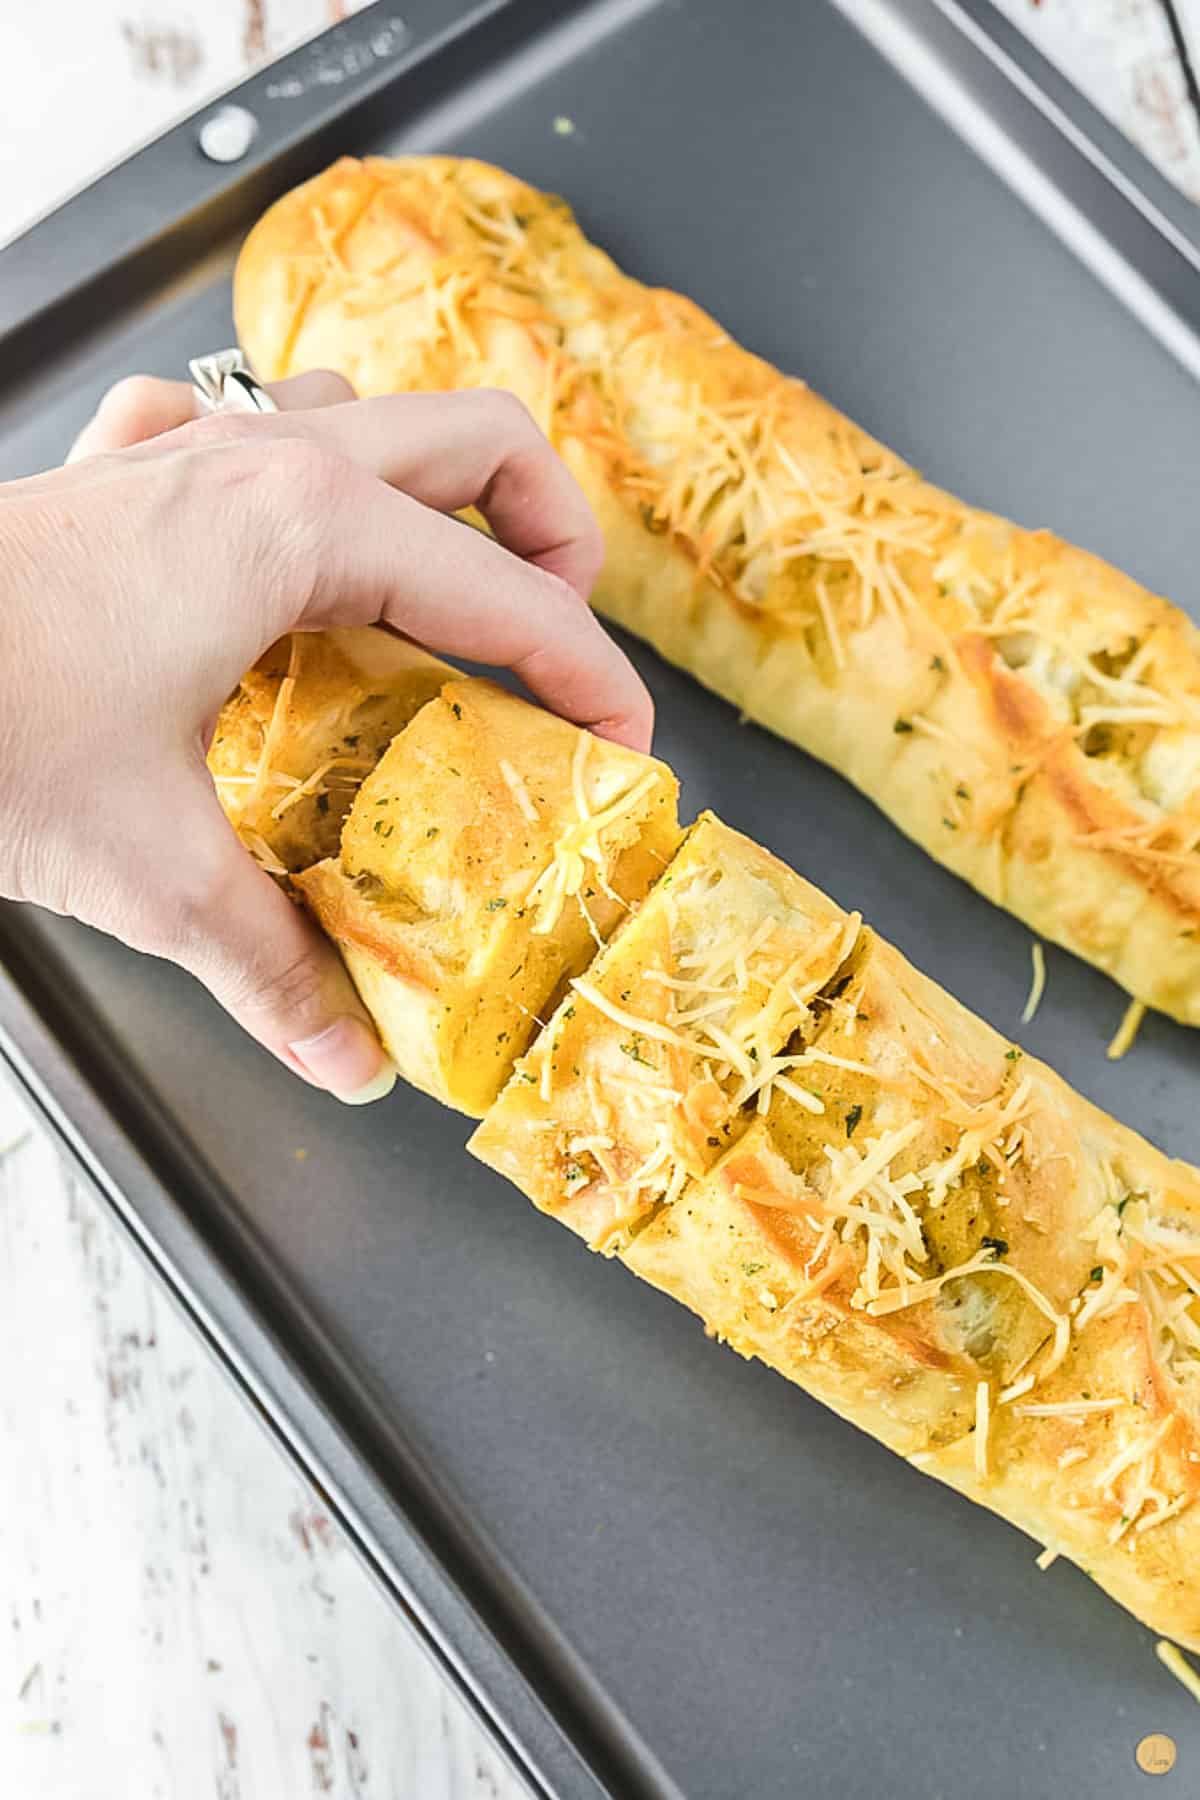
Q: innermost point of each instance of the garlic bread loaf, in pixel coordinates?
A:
(1024, 711)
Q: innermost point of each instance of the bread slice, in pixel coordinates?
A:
(306, 724)
(489, 852)
(652, 1064)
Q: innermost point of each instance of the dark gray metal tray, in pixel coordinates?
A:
(658, 1570)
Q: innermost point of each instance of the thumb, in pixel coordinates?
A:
(269, 966)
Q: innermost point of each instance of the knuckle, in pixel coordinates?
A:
(190, 899)
(215, 429)
(276, 978)
(288, 481)
(560, 593)
(289, 990)
(303, 472)
(591, 550)
(335, 385)
(508, 411)
(133, 404)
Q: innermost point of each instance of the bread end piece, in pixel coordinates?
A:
(304, 727)
(482, 862)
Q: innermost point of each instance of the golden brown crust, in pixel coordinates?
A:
(1027, 713)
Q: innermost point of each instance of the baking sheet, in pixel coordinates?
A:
(664, 1570)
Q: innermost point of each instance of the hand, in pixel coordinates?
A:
(138, 583)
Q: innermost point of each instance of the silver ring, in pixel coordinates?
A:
(225, 382)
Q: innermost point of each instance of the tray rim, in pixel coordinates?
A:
(117, 1138)
(51, 275)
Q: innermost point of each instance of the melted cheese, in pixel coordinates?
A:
(985, 1261)
(579, 846)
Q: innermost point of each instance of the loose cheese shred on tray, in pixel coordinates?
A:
(1047, 1557)
(1172, 1657)
(1038, 985)
(1127, 1030)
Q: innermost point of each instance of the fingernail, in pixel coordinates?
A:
(347, 1059)
(379, 1089)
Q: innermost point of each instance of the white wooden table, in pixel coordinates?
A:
(184, 1621)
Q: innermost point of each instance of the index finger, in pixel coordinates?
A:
(477, 447)
(373, 555)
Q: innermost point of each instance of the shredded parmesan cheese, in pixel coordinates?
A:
(516, 786)
(262, 852)
(1127, 1030)
(984, 1262)
(1046, 1559)
(582, 844)
(355, 765)
(986, 1131)
(1146, 1262)
(983, 1420)
(1172, 1658)
(1038, 985)
(275, 724)
(736, 1002)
